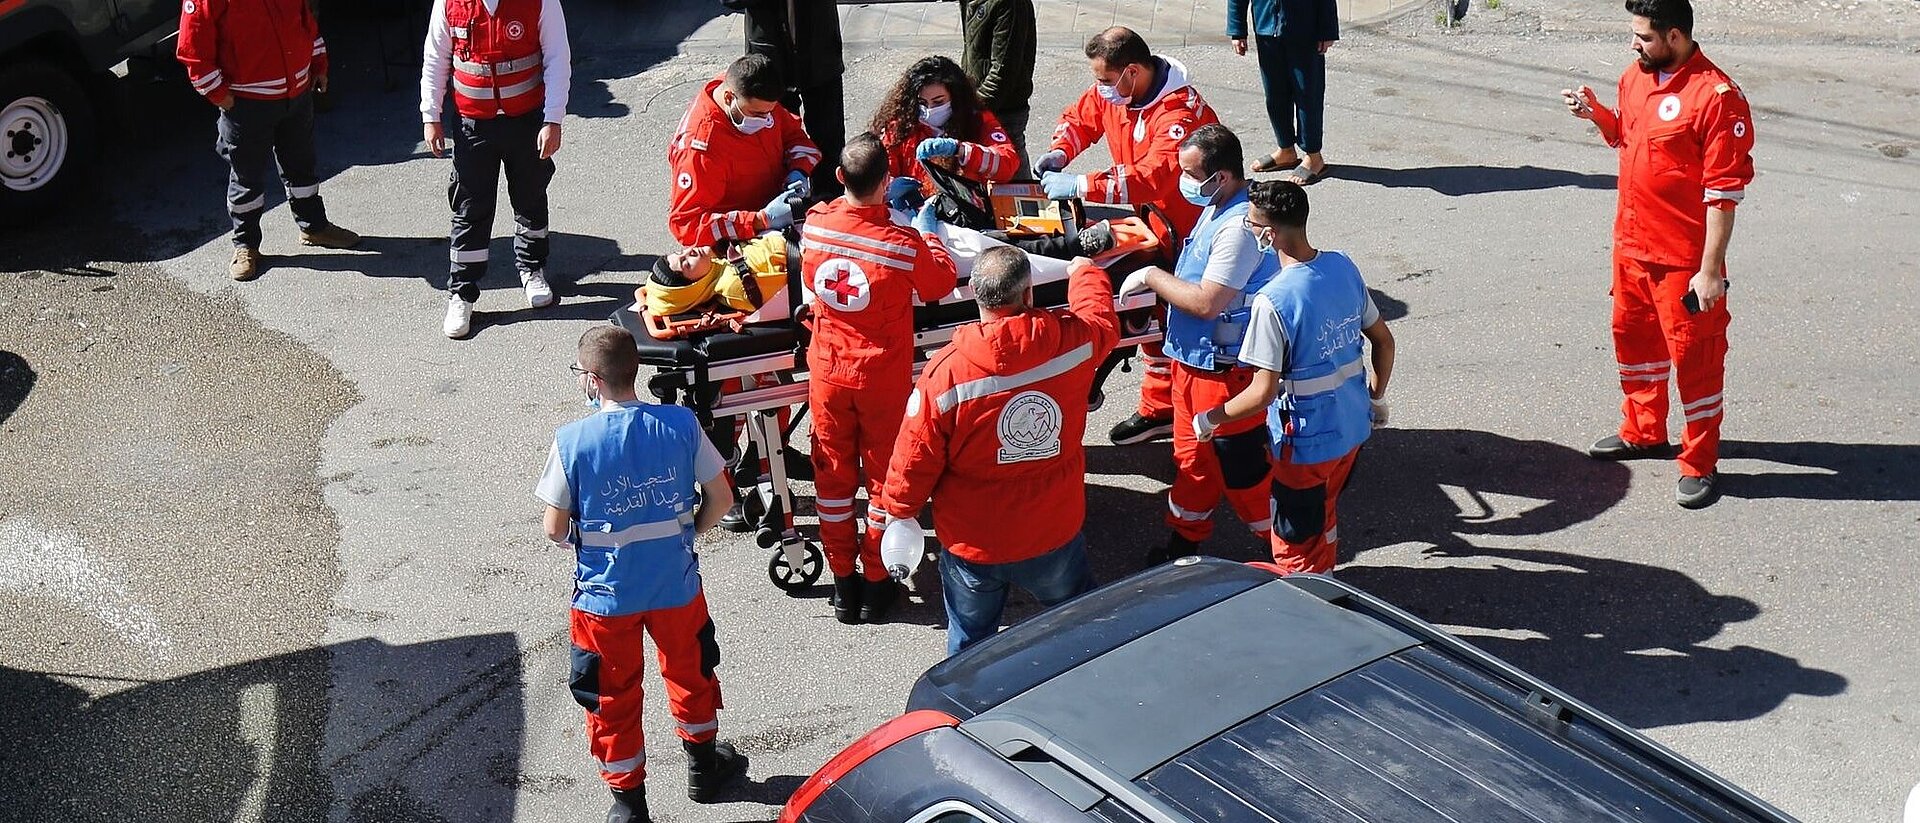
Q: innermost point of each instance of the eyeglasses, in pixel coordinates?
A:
(1249, 225)
(578, 370)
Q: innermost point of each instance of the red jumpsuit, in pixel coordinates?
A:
(863, 272)
(1685, 147)
(1145, 144)
(723, 177)
(994, 159)
(994, 428)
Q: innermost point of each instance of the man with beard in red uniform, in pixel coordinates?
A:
(1685, 136)
(1143, 105)
(863, 271)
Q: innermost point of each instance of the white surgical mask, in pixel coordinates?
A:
(1111, 93)
(747, 124)
(936, 116)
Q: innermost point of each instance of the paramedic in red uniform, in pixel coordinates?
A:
(738, 159)
(993, 435)
(509, 66)
(934, 112)
(1685, 136)
(1143, 105)
(258, 61)
(863, 271)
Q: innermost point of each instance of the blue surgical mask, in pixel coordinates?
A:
(1111, 93)
(1195, 190)
(936, 116)
(1263, 241)
(586, 385)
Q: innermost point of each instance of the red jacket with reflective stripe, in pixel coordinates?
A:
(994, 425)
(1685, 145)
(863, 271)
(496, 58)
(1144, 142)
(723, 177)
(992, 159)
(259, 49)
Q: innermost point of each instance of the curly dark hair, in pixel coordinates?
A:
(899, 113)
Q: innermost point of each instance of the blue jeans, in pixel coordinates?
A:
(1294, 75)
(976, 593)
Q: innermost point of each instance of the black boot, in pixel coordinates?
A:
(735, 520)
(711, 766)
(629, 806)
(878, 599)
(846, 598)
(1177, 546)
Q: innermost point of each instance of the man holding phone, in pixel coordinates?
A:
(1685, 136)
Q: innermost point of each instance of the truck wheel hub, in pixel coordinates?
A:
(33, 143)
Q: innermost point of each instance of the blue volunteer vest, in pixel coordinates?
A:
(1324, 410)
(1214, 342)
(631, 471)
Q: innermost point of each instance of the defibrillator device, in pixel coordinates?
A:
(730, 286)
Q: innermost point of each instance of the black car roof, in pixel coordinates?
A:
(1216, 691)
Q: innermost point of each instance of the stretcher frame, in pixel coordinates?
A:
(759, 388)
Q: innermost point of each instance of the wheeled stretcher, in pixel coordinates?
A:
(758, 373)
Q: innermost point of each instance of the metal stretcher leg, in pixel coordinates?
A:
(796, 564)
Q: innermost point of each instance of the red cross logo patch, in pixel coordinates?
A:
(842, 284)
(515, 31)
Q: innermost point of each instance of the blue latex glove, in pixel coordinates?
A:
(937, 147)
(1060, 185)
(799, 184)
(779, 211)
(926, 221)
(904, 193)
(1051, 161)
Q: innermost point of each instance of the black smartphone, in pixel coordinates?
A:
(1691, 301)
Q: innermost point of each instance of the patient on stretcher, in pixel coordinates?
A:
(702, 289)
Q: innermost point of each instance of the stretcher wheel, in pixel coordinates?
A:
(792, 579)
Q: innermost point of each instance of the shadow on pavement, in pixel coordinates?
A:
(1440, 486)
(1627, 637)
(16, 382)
(1841, 471)
(250, 741)
(1391, 308)
(1455, 181)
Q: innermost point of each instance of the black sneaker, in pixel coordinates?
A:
(1095, 240)
(1176, 546)
(629, 806)
(735, 520)
(877, 600)
(1697, 492)
(1137, 429)
(1612, 447)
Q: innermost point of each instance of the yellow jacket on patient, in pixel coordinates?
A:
(696, 281)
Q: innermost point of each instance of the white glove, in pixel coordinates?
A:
(1051, 161)
(1380, 413)
(1203, 426)
(902, 546)
(1135, 282)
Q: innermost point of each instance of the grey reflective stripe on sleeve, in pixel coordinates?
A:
(492, 69)
(625, 766)
(457, 32)
(976, 389)
(1735, 195)
(1326, 382)
(635, 533)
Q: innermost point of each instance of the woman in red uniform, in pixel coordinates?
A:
(935, 112)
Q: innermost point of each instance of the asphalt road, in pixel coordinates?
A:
(270, 551)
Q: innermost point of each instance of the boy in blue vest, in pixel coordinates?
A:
(1304, 338)
(620, 489)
